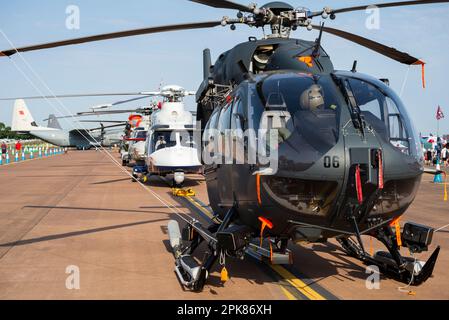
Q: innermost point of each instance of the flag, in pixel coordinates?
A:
(440, 114)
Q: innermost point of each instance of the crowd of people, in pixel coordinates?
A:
(439, 153)
(4, 148)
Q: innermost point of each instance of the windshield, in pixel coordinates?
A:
(385, 113)
(310, 107)
(141, 135)
(168, 138)
(312, 103)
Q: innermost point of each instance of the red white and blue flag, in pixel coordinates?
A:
(440, 114)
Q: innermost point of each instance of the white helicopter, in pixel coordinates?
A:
(169, 145)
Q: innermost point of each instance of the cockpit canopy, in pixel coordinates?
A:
(384, 111)
(314, 105)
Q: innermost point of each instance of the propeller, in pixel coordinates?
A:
(104, 121)
(167, 91)
(103, 127)
(390, 52)
(113, 35)
(387, 5)
(224, 4)
(106, 112)
(81, 95)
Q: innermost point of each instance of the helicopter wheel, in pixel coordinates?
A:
(144, 178)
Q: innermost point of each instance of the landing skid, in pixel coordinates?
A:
(392, 263)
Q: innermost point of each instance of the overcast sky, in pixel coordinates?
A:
(140, 63)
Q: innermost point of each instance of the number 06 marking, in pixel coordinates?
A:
(331, 162)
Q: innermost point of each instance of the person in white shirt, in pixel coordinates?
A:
(445, 155)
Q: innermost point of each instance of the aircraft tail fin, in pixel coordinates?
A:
(22, 120)
(53, 122)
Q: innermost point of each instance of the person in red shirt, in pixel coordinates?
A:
(18, 146)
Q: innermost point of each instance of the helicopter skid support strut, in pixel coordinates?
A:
(190, 272)
(405, 269)
(193, 274)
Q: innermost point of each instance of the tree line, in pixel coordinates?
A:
(6, 133)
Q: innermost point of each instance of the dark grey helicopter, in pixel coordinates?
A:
(347, 158)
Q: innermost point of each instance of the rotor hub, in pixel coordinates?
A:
(280, 16)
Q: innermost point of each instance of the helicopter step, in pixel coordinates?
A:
(263, 254)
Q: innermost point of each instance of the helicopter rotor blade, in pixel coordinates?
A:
(113, 35)
(390, 52)
(129, 100)
(103, 121)
(224, 4)
(99, 113)
(107, 127)
(380, 5)
(81, 95)
(142, 94)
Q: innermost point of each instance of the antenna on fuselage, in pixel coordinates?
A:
(354, 67)
(316, 49)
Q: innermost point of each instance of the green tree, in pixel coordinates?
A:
(6, 133)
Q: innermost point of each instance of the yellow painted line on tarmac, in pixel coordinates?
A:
(296, 283)
(196, 204)
(287, 293)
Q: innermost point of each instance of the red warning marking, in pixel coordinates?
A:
(21, 113)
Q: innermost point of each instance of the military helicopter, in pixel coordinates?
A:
(340, 173)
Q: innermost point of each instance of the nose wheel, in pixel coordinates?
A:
(178, 179)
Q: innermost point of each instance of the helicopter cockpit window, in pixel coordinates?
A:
(371, 103)
(306, 105)
(224, 121)
(261, 58)
(224, 124)
(186, 139)
(163, 139)
(276, 117)
(237, 117)
(398, 134)
(209, 132)
(387, 117)
(141, 135)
